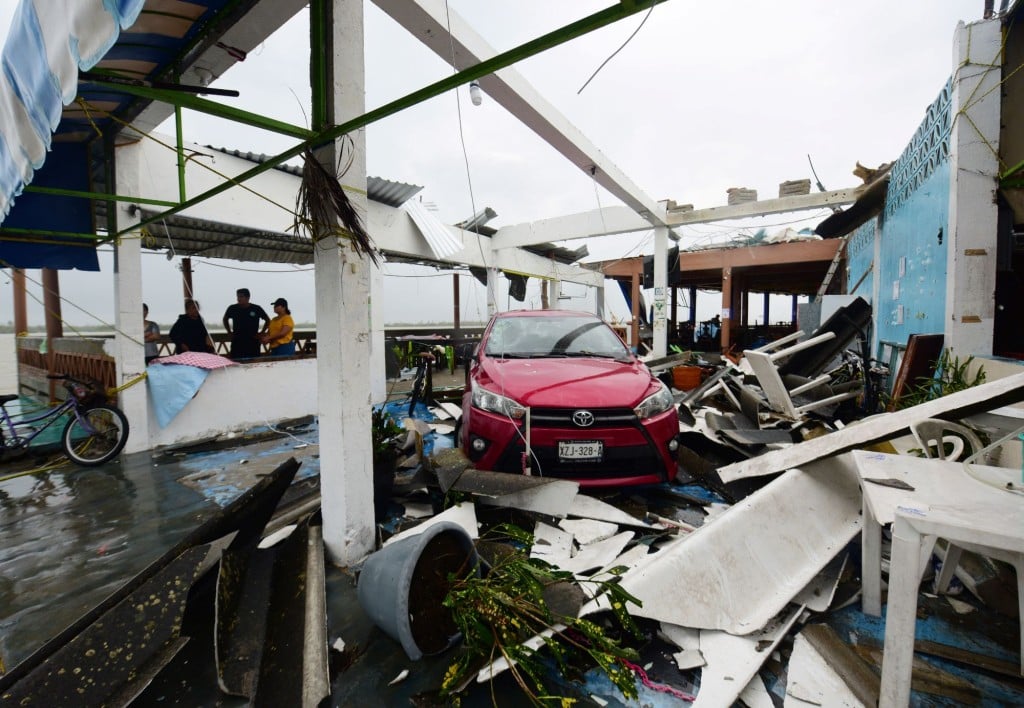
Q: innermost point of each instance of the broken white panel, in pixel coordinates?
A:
(811, 680)
(454, 410)
(756, 695)
(818, 594)
(442, 428)
(687, 640)
(597, 555)
(987, 396)
(551, 499)
(441, 241)
(439, 413)
(492, 670)
(587, 530)
(418, 510)
(629, 559)
(733, 661)
(463, 514)
(551, 544)
(740, 571)
(587, 507)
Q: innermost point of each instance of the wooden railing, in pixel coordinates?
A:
(84, 357)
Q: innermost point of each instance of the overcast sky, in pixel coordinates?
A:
(706, 96)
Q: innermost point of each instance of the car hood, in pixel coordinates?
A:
(562, 383)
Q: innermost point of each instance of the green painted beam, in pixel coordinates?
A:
(102, 196)
(552, 39)
(202, 105)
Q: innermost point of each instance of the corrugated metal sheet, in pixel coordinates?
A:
(381, 190)
(187, 236)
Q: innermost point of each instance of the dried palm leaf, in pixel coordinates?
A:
(322, 203)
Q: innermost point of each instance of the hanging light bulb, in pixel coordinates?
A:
(475, 94)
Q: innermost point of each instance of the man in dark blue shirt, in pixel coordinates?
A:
(242, 322)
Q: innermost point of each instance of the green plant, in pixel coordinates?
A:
(503, 608)
(951, 375)
(384, 431)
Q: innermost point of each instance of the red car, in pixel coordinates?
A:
(566, 385)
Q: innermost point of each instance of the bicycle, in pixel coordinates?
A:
(95, 433)
(423, 382)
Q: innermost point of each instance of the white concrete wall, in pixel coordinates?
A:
(240, 397)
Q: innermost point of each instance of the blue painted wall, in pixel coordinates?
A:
(912, 232)
(912, 273)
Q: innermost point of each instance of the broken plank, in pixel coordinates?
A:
(976, 399)
(824, 668)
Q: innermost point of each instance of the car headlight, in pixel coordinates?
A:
(495, 403)
(655, 404)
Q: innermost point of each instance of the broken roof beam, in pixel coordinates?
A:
(977, 399)
(837, 197)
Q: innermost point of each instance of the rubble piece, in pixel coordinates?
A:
(756, 695)
(454, 410)
(740, 195)
(818, 594)
(597, 555)
(587, 507)
(976, 399)
(847, 324)
(823, 670)
(687, 640)
(543, 495)
(794, 187)
(448, 465)
(737, 576)
(667, 363)
(439, 413)
(689, 659)
(769, 377)
(587, 531)
(551, 544)
(463, 514)
(929, 678)
(628, 559)
(442, 428)
(733, 661)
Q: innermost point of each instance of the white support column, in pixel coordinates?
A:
(599, 300)
(343, 321)
(378, 373)
(660, 325)
(974, 178)
(492, 291)
(129, 350)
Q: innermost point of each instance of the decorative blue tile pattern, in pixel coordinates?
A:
(928, 149)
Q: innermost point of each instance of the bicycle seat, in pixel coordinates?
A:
(5, 397)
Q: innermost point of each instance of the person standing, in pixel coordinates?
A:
(242, 322)
(189, 332)
(150, 335)
(281, 331)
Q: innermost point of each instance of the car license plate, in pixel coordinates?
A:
(580, 450)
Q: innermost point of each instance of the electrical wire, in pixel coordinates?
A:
(628, 40)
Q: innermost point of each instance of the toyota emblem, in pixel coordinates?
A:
(583, 419)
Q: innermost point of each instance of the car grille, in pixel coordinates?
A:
(562, 418)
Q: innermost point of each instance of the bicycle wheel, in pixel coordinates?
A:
(99, 437)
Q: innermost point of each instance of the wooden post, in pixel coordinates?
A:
(456, 305)
(20, 311)
(186, 278)
(727, 308)
(54, 323)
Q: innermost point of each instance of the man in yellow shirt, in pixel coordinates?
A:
(280, 332)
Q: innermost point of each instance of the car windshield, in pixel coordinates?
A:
(534, 337)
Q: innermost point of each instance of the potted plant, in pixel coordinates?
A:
(385, 436)
(498, 611)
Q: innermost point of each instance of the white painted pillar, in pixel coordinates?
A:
(378, 373)
(492, 291)
(599, 299)
(974, 178)
(343, 321)
(660, 324)
(129, 349)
